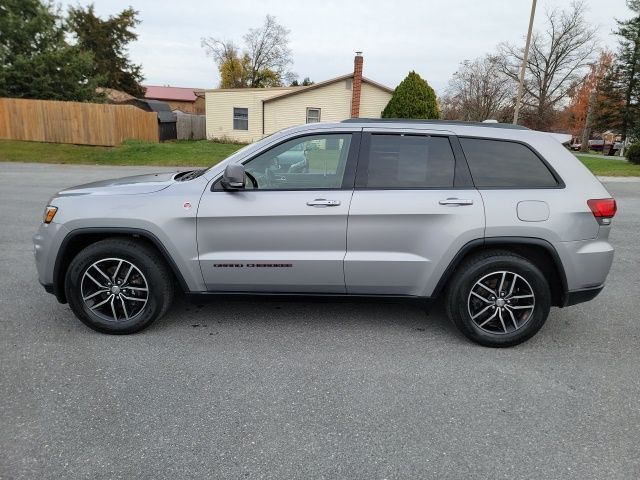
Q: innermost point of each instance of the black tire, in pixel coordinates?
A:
(149, 269)
(519, 325)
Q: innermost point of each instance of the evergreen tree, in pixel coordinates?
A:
(610, 103)
(628, 70)
(35, 59)
(305, 83)
(107, 40)
(412, 98)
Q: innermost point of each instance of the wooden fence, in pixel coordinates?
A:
(191, 127)
(73, 122)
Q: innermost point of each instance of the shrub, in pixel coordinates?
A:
(413, 98)
(632, 153)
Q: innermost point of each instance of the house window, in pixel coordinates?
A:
(240, 118)
(313, 115)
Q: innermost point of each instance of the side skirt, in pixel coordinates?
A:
(423, 302)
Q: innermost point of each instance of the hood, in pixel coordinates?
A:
(137, 184)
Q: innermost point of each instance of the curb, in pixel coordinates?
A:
(619, 179)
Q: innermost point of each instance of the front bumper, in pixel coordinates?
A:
(46, 245)
(48, 288)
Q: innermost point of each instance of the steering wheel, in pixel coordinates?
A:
(269, 177)
(253, 180)
(297, 167)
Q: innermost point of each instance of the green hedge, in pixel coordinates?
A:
(633, 153)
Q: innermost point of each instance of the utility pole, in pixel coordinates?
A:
(525, 57)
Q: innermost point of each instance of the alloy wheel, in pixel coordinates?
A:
(114, 289)
(501, 302)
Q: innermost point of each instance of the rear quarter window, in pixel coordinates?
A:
(505, 164)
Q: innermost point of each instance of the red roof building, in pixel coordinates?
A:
(187, 100)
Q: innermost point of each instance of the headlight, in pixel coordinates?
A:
(49, 212)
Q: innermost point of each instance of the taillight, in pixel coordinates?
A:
(604, 209)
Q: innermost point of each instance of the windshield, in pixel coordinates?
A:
(237, 152)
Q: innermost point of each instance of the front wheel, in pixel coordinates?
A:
(118, 286)
(498, 299)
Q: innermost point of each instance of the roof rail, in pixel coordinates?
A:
(435, 122)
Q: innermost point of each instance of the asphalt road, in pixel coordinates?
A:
(309, 390)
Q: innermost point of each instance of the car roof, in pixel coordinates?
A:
(411, 122)
(505, 131)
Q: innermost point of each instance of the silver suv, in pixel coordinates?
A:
(500, 221)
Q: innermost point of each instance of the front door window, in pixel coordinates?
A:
(310, 163)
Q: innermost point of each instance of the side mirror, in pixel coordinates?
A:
(233, 177)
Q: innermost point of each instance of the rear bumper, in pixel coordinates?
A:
(586, 262)
(573, 297)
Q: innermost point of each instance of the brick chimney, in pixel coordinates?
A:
(357, 85)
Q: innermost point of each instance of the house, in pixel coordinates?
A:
(248, 114)
(116, 97)
(611, 136)
(185, 100)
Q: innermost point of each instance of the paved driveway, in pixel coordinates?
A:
(309, 390)
(599, 155)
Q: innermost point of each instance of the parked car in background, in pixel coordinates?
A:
(500, 221)
(599, 146)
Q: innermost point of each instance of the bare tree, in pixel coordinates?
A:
(220, 50)
(231, 63)
(263, 63)
(556, 62)
(479, 91)
(268, 48)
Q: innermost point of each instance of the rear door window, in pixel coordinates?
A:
(407, 161)
(505, 164)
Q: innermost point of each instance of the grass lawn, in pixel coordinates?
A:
(200, 153)
(608, 167)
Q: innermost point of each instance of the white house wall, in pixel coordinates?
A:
(333, 100)
(372, 101)
(220, 105)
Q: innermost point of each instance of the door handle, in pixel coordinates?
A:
(321, 202)
(456, 201)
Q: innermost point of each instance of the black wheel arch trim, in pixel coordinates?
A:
(57, 288)
(503, 241)
(58, 285)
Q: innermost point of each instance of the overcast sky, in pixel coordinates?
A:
(430, 36)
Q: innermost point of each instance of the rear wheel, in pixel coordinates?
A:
(498, 299)
(118, 286)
